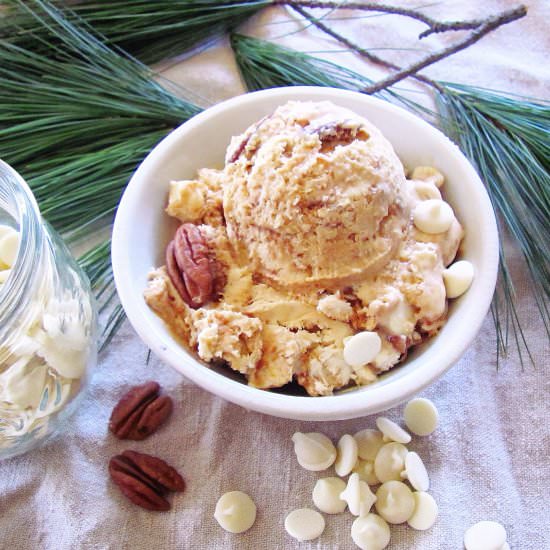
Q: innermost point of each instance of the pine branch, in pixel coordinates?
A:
(149, 30)
(76, 125)
(434, 26)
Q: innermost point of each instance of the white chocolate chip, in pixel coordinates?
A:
(5, 229)
(457, 278)
(69, 363)
(390, 462)
(485, 535)
(326, 495)
(421, 416)
(361, 348)
(392, 431)
(424, 190)
(346, 455)
(23, 383)
(358, 496)
(314, 451)
(4, 274)
(370, 532)
(433, 216)
(304, 524)
(368, 443)
(425, 511)
(394, 502)
(416, 472)
(505, 546)
(365, 469)
(428, 173)
(235, 512)
(9, 243)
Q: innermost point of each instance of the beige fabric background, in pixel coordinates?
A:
(488, 459)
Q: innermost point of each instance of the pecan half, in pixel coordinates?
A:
(145, 479)
(140, 412)
(190, 267)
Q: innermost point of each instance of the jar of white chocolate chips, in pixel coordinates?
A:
(47, 323)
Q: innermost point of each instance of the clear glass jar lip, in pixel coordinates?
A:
(14, 294)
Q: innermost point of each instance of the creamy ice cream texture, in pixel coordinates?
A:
(312, 226)
(314, 196)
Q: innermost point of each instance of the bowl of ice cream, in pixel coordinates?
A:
(309, 253)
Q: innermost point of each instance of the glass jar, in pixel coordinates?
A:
(48, 326)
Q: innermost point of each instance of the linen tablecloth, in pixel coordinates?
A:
(487, 460)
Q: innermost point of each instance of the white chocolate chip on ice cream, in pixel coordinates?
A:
(346, 455)
(326, 495)
(370, 532)
(361, 348)
(457, 278)
(304, 524)
(425, 511)
(421, 416)
(485, 535)
(358, 496)
(394, 502)
(235, 512)
(433, 216)
(392, 431)
(314, 451)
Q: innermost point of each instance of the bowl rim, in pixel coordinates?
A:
(351, 404)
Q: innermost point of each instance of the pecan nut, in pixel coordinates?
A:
(145, 479)
(190, 267)
(140, 412)
(333, 133)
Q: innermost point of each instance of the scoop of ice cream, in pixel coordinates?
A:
(312, 195)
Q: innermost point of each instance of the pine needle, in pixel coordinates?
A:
(151, 31)
(97, 265)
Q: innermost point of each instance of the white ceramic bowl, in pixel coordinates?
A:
(142, 230)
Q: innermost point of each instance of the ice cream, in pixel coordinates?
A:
(314, 196)
(305, 238)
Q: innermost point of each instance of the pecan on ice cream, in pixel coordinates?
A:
(145, 479)
(140, 412)
(190, 267)
(333, 133)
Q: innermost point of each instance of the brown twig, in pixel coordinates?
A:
(489, 24)
(357, 49)
(434, 26)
